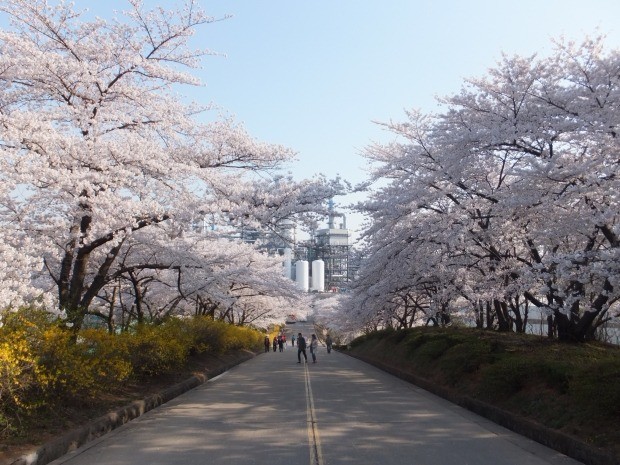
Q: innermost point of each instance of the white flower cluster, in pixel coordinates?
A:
(507, 199)
(103, 168)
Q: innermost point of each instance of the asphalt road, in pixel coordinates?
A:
(274, 411)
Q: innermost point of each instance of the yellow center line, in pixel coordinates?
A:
(314, 440)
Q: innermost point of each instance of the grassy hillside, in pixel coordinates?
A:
(574, 389)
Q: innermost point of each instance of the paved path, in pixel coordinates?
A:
(273, 411)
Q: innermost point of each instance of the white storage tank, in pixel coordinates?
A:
(288, 265)
(302, 274)
(318, 275)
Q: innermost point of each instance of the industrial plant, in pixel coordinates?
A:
(320, 263)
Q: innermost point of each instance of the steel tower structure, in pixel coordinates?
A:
(333, 247)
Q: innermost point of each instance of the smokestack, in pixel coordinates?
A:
(330, 223)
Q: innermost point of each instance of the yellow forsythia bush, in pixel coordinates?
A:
(218, 336)
(96, 362)
(17, 366)
(155, 350)
(206, 334)
(15, 379)
(239, 337)
(20, 392)
(43, 363)
(19, 388)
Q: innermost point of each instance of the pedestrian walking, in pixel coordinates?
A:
(293, 340)
(280, 343)
(314, 345)
(275, 343)
(267, 344)
(328, 343)
(301, 348)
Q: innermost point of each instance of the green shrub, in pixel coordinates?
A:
(358, 341)
(505, 377)
(464, 358)
(416, 339)
(432, 342)
(398, 336)
(597, 388)
(513, 372)
(555, 375)
(430, 350)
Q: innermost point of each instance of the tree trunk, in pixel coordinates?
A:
(479, 314)
(564, 327)
(517, 318)
(550, 327)
(503, 321)
(490, 315)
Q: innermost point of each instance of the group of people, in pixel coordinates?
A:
(314, 345)
(280, 340)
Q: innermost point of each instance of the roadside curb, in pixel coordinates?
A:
(70, 441)
(553, 439)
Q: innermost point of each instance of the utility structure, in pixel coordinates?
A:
(318, 264)
(331, 245)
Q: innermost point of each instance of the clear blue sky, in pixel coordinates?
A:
(314, 74)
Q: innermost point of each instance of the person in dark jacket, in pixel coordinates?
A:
(266, 343)
(301, 348)
(275, 343)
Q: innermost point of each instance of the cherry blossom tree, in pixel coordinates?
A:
(508, 197)
(227, 280)
(97, 146)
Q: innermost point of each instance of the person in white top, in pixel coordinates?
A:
(314, 345)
